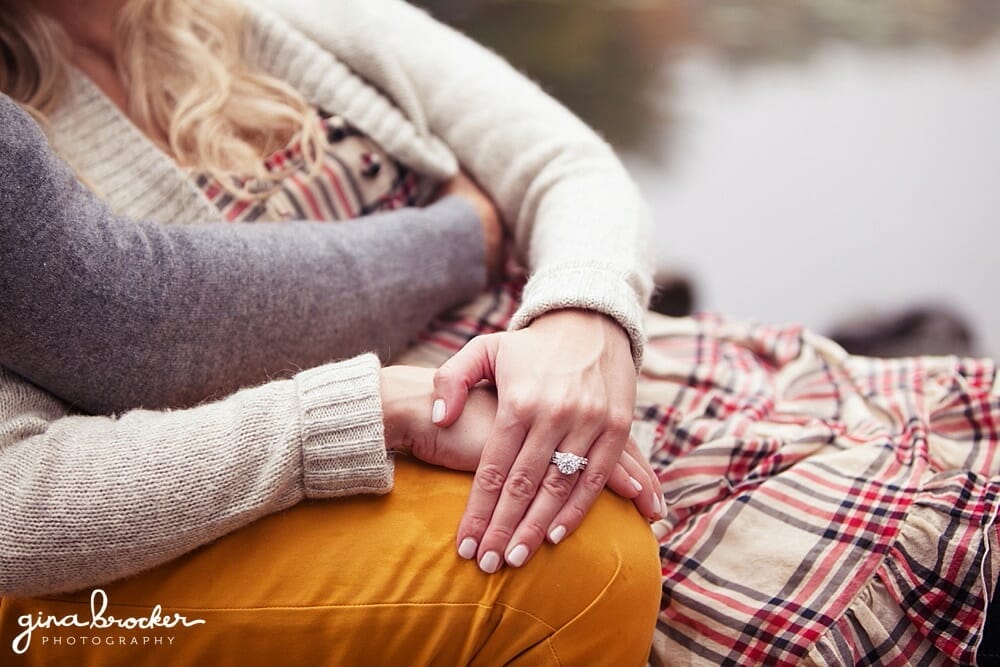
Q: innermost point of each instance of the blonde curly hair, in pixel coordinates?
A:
(182, 64)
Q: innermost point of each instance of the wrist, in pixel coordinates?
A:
(494, 246)
(579, 318)
(392, 415)
(600, 331)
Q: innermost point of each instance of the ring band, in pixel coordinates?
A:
(568, 463)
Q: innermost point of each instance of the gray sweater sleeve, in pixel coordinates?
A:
(109, 313)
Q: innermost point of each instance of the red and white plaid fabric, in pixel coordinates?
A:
(823, 509)
(356, 178)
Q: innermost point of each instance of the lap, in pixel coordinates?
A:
(374, 580)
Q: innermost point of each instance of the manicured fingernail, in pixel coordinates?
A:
(657, 503)
(437, 412)
(557, 534)
(635, 483)
(490, 562)
(467, 549)
(518, 555)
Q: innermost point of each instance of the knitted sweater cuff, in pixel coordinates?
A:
(342, 432)
(588, 286)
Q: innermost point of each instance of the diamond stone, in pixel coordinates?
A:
(568, 463)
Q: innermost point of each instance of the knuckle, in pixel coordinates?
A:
(520, 407)
(475, 524)
(443, 379)
(521, 486)
(441, 384)
(593, 481)
(498, 537)
(490, 479)
(573, 515)
(618, 423)
(561, 409)
(532, 533)
(592, 412)
(558, 486)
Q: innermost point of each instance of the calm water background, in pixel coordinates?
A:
(809, 160)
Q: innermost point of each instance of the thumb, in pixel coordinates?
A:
(452, 382)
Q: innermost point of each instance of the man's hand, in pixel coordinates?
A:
(406, 402)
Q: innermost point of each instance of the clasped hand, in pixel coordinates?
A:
(566, 383)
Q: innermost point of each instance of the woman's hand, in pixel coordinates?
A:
(566, 382)
(493, 230)
(406, 398)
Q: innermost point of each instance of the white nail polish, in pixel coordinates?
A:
(467, 549)
(635, 483)
(490, 563)
(557, 534)
(437, 412)
(657, 503)
(518, 555)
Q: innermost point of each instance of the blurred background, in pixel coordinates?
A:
(829, 162)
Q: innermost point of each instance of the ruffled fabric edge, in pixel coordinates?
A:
(927, 600)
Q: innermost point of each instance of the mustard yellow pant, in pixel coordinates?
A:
(371, 580)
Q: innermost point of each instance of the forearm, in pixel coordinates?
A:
(85, 500)
(110, 313)
(571, 207)
(577, 218)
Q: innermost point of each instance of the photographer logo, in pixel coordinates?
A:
(102, 629)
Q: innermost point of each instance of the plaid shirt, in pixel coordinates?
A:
(823, 509)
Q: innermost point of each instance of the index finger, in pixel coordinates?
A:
(499, 453)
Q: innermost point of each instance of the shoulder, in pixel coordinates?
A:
(365, 50)
(362, 33)
(347, 30)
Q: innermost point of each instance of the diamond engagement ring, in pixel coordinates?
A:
(569, 463)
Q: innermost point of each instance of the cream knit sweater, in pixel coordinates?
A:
(84, 500)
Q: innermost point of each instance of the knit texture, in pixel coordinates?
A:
(91, 499)
(109, 313)
(343, 443)
(433, 99)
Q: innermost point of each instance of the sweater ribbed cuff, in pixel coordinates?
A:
(590, 286)
(343, 439)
